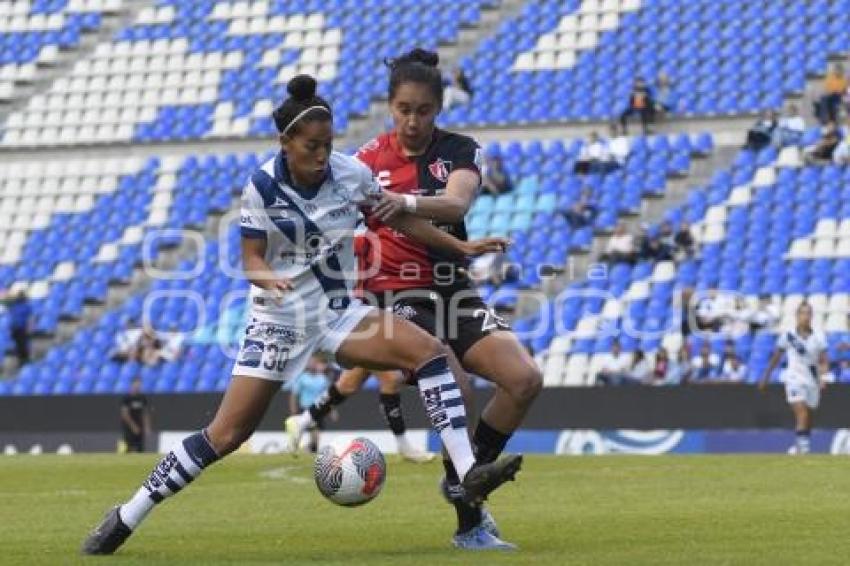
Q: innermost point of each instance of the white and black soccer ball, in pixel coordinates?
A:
(352, 474)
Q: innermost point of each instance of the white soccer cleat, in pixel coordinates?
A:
(294, 432)
(417, 456)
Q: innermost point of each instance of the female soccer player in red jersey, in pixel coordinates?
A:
(435, 174)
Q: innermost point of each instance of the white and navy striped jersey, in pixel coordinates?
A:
(802, 354)
(309, 234)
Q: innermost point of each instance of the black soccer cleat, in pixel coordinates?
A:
(482, 479)
(108, 535)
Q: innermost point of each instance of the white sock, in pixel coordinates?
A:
(305, 420)
(176, 470)
(803, 442)
(444, 406)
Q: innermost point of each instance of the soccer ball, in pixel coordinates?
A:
(352, 476)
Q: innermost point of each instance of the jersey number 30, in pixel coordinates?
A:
(275, 357)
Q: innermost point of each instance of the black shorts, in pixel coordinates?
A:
(457, 316)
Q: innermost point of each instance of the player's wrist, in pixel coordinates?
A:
(409, 203)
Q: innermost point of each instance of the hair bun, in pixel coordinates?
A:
(301, 87)
(423, 56)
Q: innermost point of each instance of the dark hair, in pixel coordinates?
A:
(302, 95)
(416, 66)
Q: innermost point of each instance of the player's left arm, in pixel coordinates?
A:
(449, 207)
(424, 232)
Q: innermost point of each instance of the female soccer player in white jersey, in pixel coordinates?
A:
(806, 364)
(299, 211)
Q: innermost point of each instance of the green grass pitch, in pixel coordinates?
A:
(593, 510)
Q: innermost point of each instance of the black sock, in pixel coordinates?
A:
(391, 409)
(468, 516)
(329, 399)
(488, 442)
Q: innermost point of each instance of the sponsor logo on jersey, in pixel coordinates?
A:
(279, 203)
(271, 332)
(252, 353)
(440, 169)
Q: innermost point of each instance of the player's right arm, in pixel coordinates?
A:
(771, 365)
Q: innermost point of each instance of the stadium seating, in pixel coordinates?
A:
(175, 192)
(766, 225)
(32, 33)
(48, 211)
(547, 187)
(764, 229)
(220, 67)
(577, 60)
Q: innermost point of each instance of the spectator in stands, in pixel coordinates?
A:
(679, 370)
(305, 390)
(621, 246)
(823, 150)
(761, 134)
(595, 156)
(665, 100)
(790, 129)
(172, 344)
(496, 180)
(734, 370)
(684, 242)
(135, 418)
(685, 306)
(150, 345)
(20, 313)
(619, 145)
(841, 155)
(660, 368)
(828, 105)
(458, 90)
(127, 343)
(641, 371)
(764, 316)
(653, 246)
(616, 366)
(708, 311)
(706, 365)
(640, 103)
(583, 212)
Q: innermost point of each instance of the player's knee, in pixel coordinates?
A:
(429, 349)
(347, 386)
(526, 385)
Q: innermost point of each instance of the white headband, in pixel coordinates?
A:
(301, 115)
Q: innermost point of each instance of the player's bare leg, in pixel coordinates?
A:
(390, 384)
(803, 428)
(243, 406)
(382, 342)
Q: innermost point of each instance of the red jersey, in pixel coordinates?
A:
(405, 263)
